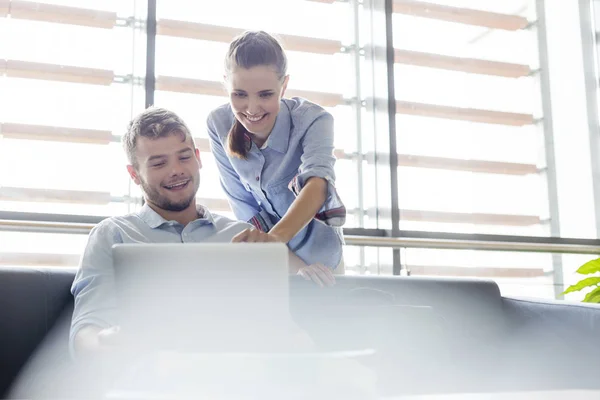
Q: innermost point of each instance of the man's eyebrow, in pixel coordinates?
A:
(156, 157)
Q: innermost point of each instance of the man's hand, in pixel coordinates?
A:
(110, 337)
(317, 273)
(253, 235)
(93, 340)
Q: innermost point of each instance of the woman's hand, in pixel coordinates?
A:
(317, 273)
(252, 235)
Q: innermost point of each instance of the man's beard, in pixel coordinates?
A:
(154, 197)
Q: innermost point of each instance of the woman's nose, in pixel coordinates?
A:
(253, 108)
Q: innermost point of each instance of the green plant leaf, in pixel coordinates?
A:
(582, 284)
(594, 299)
(593, 295)
(590, 267)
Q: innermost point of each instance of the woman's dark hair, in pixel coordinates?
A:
(248, 50)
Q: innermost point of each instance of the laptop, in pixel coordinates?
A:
(214, 319)
(202, 296)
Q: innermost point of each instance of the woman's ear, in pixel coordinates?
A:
(284, 85)
(225, 84)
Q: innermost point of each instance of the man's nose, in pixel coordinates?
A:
(177, 169)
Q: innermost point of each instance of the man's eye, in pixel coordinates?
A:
(239, 95)
(160, 164)
(266, 95)
(185, 158)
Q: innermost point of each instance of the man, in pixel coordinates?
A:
(165, 163)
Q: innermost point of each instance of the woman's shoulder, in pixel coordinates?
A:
(220, 119)
(305, 113)
(301, 108)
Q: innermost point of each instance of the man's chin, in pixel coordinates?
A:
(173, 206)
(177, 207)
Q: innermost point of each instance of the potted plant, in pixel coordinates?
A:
(590, 267)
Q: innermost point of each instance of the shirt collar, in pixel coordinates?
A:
(280, 135)
(154, 220)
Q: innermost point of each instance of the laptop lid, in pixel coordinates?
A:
(175, 293)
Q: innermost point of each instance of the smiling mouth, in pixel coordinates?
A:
(178, 185)
(254, 120)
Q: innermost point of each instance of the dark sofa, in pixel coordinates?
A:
(468, 339)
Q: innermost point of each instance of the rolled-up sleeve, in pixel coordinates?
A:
(242, 202)
(94, 286)
(318, 161)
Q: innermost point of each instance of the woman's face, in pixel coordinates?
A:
(254, 95)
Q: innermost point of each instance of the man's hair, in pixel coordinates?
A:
(153, 123)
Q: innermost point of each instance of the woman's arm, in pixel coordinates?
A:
(317, 273)
(316, 196)
(302, 210)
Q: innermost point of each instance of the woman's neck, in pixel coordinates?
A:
(259, 141)
(261, 138)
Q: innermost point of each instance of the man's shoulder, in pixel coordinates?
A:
(221, 222)
(115, 224)
(226, 228)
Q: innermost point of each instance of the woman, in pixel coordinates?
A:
(275, 155)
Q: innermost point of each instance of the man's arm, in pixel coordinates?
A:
(93, 290)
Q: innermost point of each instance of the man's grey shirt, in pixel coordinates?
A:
(94, 286)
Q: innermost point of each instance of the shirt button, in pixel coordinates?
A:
(257, 178)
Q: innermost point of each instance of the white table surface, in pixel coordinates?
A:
(527, 395)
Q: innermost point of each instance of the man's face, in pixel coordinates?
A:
(168, 170)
